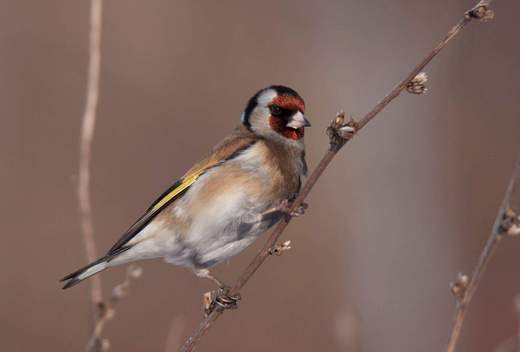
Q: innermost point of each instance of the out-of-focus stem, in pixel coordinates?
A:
(85, 154)
(497, 234)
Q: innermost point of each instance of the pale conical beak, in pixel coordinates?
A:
(298, 120)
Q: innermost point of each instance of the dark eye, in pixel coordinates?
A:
(275, 110)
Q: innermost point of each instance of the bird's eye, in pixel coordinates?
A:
(275, 110)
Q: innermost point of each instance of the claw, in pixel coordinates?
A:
(284, 206)
(300, 210)
(220, 298)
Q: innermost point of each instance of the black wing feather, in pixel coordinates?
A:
(144, 220)
(151, 212)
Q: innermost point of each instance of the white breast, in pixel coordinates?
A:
(229, 220)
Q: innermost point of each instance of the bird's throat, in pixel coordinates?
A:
(279, 125)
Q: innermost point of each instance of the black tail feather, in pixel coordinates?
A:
(72, 279)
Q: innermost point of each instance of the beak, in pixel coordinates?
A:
(298, 120)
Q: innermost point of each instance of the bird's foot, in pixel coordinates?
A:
(206, 274)
(300, 209)
(285, 205)
(220, 298)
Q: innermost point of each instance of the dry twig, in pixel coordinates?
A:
(102, 312)
(516, 308)
(106, 311)
(85, 157)
(174, 338)
(339, 134)
(87, 132)
(506, 224)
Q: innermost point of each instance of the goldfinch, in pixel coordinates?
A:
(224, 202)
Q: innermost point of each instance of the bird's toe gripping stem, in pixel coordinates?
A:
(220, 298)
(285, 207)
(300, 209)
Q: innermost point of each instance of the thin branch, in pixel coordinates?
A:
(102, 311)
(87, 132)
(174, 338)
(107, 311)
(506, 223)
(481, 12)
(516, 309)
(85, 156)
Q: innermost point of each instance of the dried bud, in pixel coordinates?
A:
(279, 249)
(514, 230)
(105, 345)
(418, 84)
(510, 224)
(102, 309)
(207, 301)
(111, 313)
(340, 132)
(516, 304)
(346, 131)
(458, 288)
(135, 272)
(120, 291)
(340, 118)
(481, 13)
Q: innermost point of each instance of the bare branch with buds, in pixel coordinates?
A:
(506, 223)
(107, 311)
(339, 134)
(510, 223)
(481, 12)
(458, 288)
(418, 84)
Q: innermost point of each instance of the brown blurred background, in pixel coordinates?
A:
(402, 209)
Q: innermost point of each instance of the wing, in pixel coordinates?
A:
(226, 150)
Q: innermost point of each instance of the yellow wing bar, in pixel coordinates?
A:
(186, 182)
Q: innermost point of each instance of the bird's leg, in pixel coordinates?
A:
(205, 273)
(284, 206)
(217, 298)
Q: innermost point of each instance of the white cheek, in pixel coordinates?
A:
(259, 120)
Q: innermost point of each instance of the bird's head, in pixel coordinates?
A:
(276, 112)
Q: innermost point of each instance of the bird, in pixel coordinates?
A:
(228, 199)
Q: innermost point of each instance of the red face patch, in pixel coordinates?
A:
(278, 125)
(289, 102)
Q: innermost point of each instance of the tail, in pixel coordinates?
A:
(86, 272)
